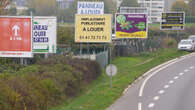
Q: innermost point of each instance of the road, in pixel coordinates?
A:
(170, 86)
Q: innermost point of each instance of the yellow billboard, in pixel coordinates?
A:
(93, 28)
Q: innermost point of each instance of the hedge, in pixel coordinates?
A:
(46, 83)
(190, 19)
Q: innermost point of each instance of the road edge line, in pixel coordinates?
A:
(161, 67)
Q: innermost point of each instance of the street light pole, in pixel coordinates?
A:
(150, 10)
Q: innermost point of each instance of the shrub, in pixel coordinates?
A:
(45, 83)
(169, 43)
(65, 35)
(190, 19)
(190, 30)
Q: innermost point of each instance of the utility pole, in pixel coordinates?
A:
(150, 10)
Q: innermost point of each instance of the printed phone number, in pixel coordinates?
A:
(93, 37)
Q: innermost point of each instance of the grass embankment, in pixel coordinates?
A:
(98, 96)
(153, 25)
(157, 25)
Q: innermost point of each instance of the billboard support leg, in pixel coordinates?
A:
(80, 49)
(88, 50)
(25, 61)
(167, 34)
(104, 47)
(22, 61)
(178, 38)
(111, 63)
(46, 55)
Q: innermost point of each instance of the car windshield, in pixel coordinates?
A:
(186, 42)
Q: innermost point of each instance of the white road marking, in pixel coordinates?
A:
(186, 70)
(192, 67)
(156, 98)
(151, 105)
(176, 77)
(171, 82)
(125, 91)
(145, 81)
(166, 86)
(161, 67)
(139, 106)
(161, 91)
(181, 74)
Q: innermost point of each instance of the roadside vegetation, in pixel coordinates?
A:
(46, 83)
(63, 83)
(99, 95)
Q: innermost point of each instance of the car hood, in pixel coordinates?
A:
(185, 45)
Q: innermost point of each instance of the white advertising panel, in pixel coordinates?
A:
(90, 8)
(44, 34)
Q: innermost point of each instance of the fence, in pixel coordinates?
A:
(101, 58)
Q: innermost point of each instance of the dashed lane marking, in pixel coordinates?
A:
(166, 86)
(186, 70)
(181, 74)
(139, 106)
(176, 77)
(161, 91)
(156, 98)
(171, 82)
(192, 67)
(151, 105)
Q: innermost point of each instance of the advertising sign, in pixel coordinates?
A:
(44, 35)
(131, 25)
(90, 8)
(93, 28)
(173, 21)
(134, 10)
(15, 37)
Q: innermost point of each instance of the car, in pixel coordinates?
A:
(186, 44)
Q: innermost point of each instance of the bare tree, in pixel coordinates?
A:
(42, 7)
(192, 8)
(3, 5)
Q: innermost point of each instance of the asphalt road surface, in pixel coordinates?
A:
(170, 86)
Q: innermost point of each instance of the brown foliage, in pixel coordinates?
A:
(4, 4)
(46, 83)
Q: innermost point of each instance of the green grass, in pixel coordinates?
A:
(99, 95)
(190, 24)
(153, 25)
(157, 25)
(66, 24)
